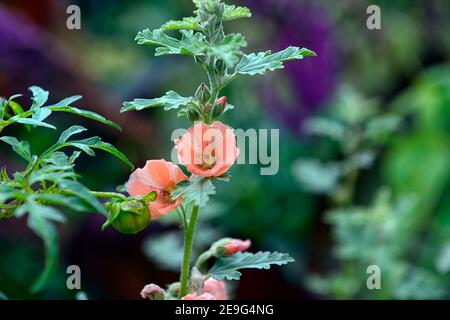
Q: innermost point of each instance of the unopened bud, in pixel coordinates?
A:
(200, 59)
(197, 279)
(152, 292)
(192, 115)
(203, 94)
(129, 216)
(173, 289)
(219, 107)
(220, 66)
(229, 246)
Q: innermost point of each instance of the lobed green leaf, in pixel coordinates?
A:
(262, 62)
(232, 13)
(171, 100)
(22, 148)
(229, 49)
(188, 23)
(227, 268)
(196, 190)
(40, 96)
(190, 44)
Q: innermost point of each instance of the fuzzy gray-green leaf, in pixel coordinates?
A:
(228, 267)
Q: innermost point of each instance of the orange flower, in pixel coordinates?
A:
(160, 176)
(195, 296)
(207, 150)
(216, 288)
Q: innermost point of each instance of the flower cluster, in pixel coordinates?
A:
(205, 150)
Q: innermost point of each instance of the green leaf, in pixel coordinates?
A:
(15, 107)
(232, 13)
(22, 148)
(51, 173)
(85, 145)
(63, 200)
(228, 107)
(157, 247)
(326, 127)
(74, 157)
(65, 102)
(3, 296)
(229, 49)
(40, 96)
(196, 190)
(40, 114)
(33, 122)
(315, 176)
(267, 61)
(380, 128)
(44, 212)
(38, 221)
(9, 193)
(227, 267)
(82, 193)
(58, 158)
(189, 23)
(190, 44)
(97, 143)
(70, 132)
(83, 113)
(171, 100)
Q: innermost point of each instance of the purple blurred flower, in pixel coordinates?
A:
(312, 81)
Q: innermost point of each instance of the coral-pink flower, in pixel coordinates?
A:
(208, 150)
(160, 176)
(216, 288)
(195, 296)
(236, 245)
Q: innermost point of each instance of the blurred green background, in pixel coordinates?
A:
(364, 146)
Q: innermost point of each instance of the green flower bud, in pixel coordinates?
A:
(203, 94)
(200, 59)
(220, 67)
(173, 290)
(219, 107)
(217, 111)
(192, 115)
(129, 216)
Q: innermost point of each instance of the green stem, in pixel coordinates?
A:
(108, 195)
(205, 256)
(183, 216)
(188, 242)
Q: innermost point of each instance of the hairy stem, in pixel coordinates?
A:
(188, 242)
(205, 256)
(108, 195)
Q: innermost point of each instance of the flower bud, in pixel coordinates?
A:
(229, 246)
(203, 94)
(217, 111)
(173, 289)
(152, 292)
(197, 279)
(200, 59)
(220, 67)
(192, 115)
(222, 101)
(219, 107)
(129, 216)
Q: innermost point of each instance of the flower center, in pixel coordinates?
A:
(209, 159)
(167, 196)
